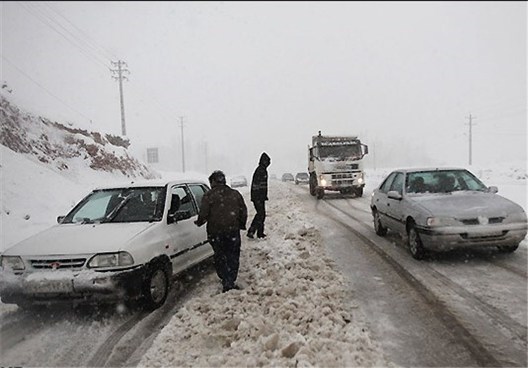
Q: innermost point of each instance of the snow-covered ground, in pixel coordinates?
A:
(291, 309)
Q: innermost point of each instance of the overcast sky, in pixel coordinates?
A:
(266, 76)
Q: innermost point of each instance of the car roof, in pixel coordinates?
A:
(150, 183)
(413, 170)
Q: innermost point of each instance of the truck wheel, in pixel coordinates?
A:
(156, 286)
(320, 193)
(312, 184)
(415, 243)
(359, 192)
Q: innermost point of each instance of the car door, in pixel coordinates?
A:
(394, 210)
(204, 250)
(185, 235)
(380, 199)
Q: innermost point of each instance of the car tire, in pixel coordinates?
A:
(320, 193)
(156, 286)
(508, 248)
(378, 227)
(415, 243)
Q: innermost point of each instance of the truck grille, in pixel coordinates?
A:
(62, 263)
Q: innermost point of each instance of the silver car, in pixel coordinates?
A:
(443, 209)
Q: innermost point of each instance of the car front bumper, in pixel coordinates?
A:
(84, 285)
(451, 237)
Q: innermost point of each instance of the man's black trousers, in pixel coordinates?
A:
(226, 249)
(257, 225)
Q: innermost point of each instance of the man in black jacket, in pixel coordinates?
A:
(259, 194)
(225, 212)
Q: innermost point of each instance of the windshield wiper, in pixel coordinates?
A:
(110, 217)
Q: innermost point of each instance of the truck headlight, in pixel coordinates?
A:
(118, 259)
(13, 263)
(441, 221)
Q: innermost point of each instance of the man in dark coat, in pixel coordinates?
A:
(225, 212)
(259, 194)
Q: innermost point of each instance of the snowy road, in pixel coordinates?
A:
(86, 336)
(454, 309)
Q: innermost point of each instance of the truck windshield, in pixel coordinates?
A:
(341, 152)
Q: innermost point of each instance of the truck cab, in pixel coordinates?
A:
(335, 163)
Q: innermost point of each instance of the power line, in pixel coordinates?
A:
(46, 22)
(108, 54)
(44, 88)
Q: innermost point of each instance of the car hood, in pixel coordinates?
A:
(467, 204)
(79, 239)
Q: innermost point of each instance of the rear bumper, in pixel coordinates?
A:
(447, 238)
(85, 285)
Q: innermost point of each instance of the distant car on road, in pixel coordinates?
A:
(239, 181)
(443, 209)
(302, 178)
(287, 177)
(118, 243)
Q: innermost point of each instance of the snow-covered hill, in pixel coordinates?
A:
(46, 167)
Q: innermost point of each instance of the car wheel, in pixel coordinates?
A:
(415, 243)
(156, 286)
(508, 248)
(320, 193)
(378, 227)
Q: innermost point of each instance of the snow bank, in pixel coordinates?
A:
(290, 311)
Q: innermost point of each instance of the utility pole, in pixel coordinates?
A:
(121, 68)
(205, 152)
(470, 117)
(183, 150)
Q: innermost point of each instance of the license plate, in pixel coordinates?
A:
(49, 286)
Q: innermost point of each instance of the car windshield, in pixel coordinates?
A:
(442, 181)
(119, 205)
(302, 176)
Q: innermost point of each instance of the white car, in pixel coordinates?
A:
(447, 208)
(239, 181)
(118, 243)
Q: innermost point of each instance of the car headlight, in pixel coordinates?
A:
(441, 221)
(13, 263)
(118, 259)
(360, 180)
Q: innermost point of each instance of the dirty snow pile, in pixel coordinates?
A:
(290, 310)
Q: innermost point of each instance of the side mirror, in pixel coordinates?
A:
(394, 195)
(60, 219)
(493, 189)
(365, 149)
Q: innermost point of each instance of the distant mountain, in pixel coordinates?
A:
(64, 147)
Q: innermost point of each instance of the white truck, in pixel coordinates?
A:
(335, 163)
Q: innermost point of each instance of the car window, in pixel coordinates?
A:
(186, 199)
(198, 191)
(385, 186)
(397, 183)
(119, 205)
(442, 181)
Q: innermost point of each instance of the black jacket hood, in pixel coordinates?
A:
(265, 160)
